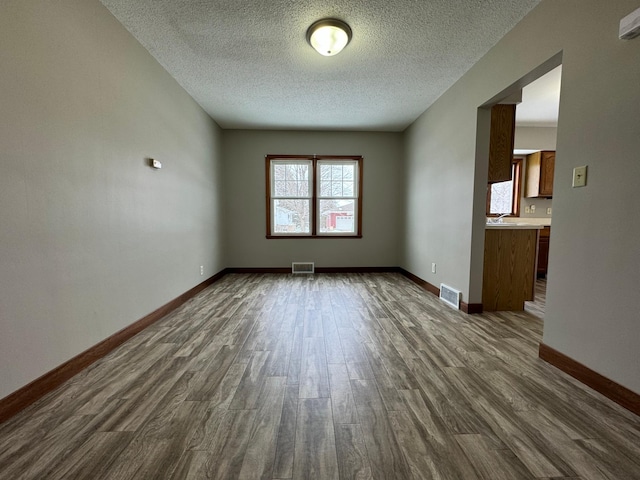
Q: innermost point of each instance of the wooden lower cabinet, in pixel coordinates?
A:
(509, 268)
(543, 252)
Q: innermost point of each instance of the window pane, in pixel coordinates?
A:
(325, 172)
(279, 172)
(291, 179)
(338, 179)
(337, 216)
(279, 188)
(297, 172)
(347, 189)
(291, 216)
(501, 197)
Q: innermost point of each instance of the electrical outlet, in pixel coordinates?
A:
(527, 209)
(533, 208)
(201, 269)
(433, 268)
(549, 211)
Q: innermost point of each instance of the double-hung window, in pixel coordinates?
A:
(503, 198)
(314, 196)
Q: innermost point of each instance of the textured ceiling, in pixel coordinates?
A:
(248, 65)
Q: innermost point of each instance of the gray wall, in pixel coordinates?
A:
(244, 178)
(536, 138)
(592, 312)
(91, 238)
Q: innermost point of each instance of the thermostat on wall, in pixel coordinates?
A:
(630, 25)
(156, 164)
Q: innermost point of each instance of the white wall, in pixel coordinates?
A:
(244, 178)
(91, 238)
(592, 312)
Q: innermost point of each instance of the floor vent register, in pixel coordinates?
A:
(302, 267)
(450, 295)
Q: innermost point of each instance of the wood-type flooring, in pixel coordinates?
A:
(332, 376)
(538, 305)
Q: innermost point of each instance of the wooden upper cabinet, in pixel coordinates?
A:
(503, 128)
(540, 168)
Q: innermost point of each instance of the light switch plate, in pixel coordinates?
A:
(579, 176)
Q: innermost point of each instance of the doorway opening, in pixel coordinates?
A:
(537, 97)
(535, 139)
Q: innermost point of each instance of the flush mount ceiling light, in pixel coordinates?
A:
(329, 36)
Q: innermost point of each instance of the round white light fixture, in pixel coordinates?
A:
(329, 36)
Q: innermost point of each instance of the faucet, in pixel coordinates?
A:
(498, 219)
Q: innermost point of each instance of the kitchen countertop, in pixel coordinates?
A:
(546, 221)
(513, 226)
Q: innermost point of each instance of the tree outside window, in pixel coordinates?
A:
(503, 198)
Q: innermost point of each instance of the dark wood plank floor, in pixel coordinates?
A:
(325, 377)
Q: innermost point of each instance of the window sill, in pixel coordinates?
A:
(281, 237)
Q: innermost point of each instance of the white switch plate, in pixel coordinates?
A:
(527, 209)
(579, 176)
(549, 211)
(433, 268)
(533, 208)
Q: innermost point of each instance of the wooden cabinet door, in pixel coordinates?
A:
(509, 268)
(540, 168)
(543, 252)
(547, 167)
(503, 128)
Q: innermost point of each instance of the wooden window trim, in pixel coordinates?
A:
(314, 196)
(517, 191)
